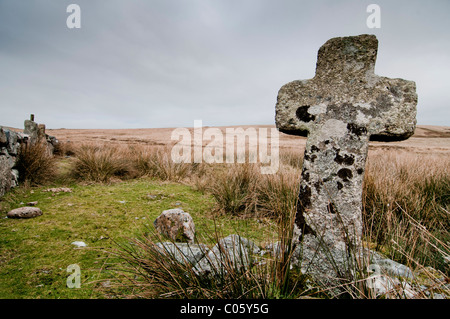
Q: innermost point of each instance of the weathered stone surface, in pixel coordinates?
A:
(231, 252)
(5, 175)
(24, 212)
(9, 147)
(390, 267)
(31, 129)
(3, 138)
(14, 139)
(183, 252)
(15, 178)
(176, 224)
(343, 107)
(58, 190)
(36, 133)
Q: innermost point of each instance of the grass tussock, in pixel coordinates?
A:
(234, 188)
(100, 164)
(35, 164)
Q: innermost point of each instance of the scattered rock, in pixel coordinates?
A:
(79, 243)
(390, 287)
(59, 190)
(395, 269)
(183, 252)
(230, 252)
(176, 224)
(32, 203)
(24, 212)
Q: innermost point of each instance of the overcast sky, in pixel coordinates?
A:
(166, 63)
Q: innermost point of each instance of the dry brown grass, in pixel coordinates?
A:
(407, 204)
(35, 164)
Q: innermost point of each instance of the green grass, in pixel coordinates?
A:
(35, 253)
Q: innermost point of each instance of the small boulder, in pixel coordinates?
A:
(231, 252)
(24, 212)
(79, 243)
(59, 190)
(176, 224)
(183, 252)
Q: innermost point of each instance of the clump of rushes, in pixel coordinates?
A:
(100, 164)
(234, 188)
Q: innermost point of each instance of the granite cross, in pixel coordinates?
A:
(343, 107)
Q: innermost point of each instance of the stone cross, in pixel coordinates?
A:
(343, 107)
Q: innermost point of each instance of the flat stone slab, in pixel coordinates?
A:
(24, 212)
(230, 252)
(183, 252)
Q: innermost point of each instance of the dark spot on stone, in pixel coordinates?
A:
(304, 196)
(327, 179)
(314, 148)
(303, 115)
(327, 142)
(346, 159)
(331, 208)
(395, 91)
(309, 158)
(360, 171)
(345, 174)
(318, 186)
(383, 102)
(339, 185)
(355, 129)
(303, 203)
(305, 176)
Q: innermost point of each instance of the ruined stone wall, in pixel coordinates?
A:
(9, 147)
(10, 143)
